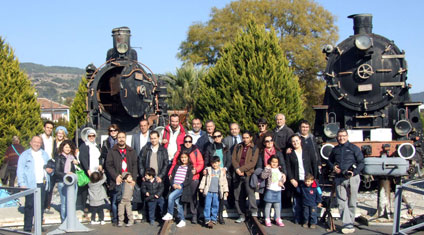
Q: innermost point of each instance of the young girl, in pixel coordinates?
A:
(275, 181)
(180, 179)
(97, 196)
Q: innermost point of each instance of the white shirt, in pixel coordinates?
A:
(172, 144)
(144, 139)
(275, 179)
(195, 136)
(38, 166)
(300, 163)
(48, 144)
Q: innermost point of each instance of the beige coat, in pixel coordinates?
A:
(206, 182)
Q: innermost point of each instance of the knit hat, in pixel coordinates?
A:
(61, 128)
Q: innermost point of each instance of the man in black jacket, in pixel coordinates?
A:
(121, 158)
(347, 162)
(153, 155)
(282, 132)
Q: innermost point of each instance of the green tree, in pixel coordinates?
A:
(183, 86)
(20, 113)
(78, 116)
(303, 28)
(251, 79)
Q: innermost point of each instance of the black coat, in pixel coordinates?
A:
(187, 195)
(114, 164)
(281, 138)
(260, 163)
(309, 164)
(60, 168)
(144, 160)
(153, 188)
(106, 147)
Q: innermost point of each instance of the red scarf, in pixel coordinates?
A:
(124, 159)
(268, 154)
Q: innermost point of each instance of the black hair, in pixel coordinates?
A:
(247, 132)
(215, 159)
(126, 176)
(154, 132)
(304, 121)
(261, 121)
(150, 172)
(96, 177)
(341, 130)
(48, 122)
(179, 158)
(273, 157)
(71, 145)
(189, 136)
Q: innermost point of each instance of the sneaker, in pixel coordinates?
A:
(241, 219)
(102, 222)
(305, 225)
(279, 222)
(129, 224)
(348, 230)
(181, 224)
(313, 226)
(255, 214)
(120, 224)
(207, 222)
(167, 217)
(268, 222)
(214, 221)
(94, 222)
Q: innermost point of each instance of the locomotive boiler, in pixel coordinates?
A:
(123, 91)
(367, 94)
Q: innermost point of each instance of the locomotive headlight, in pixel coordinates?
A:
(363, 42)
(122, 48)
(403, 127)
(331, 129)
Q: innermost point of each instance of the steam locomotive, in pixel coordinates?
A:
(367, 94)
(122, 92)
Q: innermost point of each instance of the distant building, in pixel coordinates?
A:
(52, 110)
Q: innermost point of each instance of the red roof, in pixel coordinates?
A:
(49, 104)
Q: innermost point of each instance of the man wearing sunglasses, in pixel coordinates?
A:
(258, 139)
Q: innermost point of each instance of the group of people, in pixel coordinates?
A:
(195, 168)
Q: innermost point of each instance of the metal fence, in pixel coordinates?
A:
(37, 206)
(398, 206)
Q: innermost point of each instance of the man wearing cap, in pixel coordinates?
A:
(120, 159)
(258, 139)
(32, 172)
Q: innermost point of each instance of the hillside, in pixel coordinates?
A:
(418, 97)
(54, 82)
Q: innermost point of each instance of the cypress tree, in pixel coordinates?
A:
(20, 113)
(252, 79)
(78, 116)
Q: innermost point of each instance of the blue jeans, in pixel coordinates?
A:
(310, 214)
(211, 202)
(61, 187)
(151, 205)
(114, 205)
(175, 197)
(297, 208)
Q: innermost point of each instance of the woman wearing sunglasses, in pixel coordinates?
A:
(110, 141)
(198, 165)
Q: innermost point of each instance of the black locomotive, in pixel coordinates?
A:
(367, 94)
(122, 92)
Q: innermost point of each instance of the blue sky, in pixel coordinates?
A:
(76, 33)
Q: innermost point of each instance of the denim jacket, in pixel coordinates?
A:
(25, 171)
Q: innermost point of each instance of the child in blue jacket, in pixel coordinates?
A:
(311, 199)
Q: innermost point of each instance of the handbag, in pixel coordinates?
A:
(83, 179)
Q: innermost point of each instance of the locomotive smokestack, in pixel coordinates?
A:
(362, 23)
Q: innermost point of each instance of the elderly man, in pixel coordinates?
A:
(282, 133)
(233, 139)
(33, 173)
(347, 162)
(140, 139)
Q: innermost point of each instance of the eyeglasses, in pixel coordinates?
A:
(187, 141)
(91, 136)
(267, 141)
(262, 125)
(112, 130)
(217, 136)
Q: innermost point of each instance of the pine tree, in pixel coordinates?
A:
(20, 113)
(78, 116)
(252, 79)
